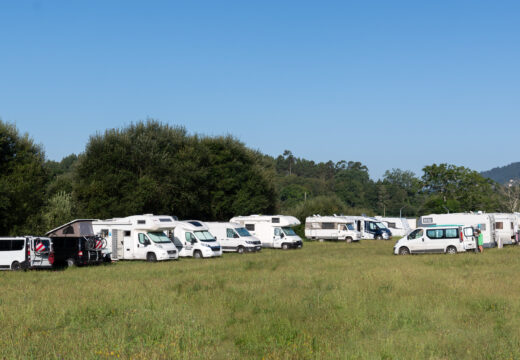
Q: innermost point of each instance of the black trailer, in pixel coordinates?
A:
(75, 243)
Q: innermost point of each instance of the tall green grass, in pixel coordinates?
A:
(328, 300)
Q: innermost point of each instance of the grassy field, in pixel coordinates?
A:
(326, 301)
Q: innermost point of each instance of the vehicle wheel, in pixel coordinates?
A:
(285, 246)
(348, 239)
(240, 250)
(197, 254)
(379, 237)
(451, 250)
(70, 262)
(150, 257)
(15, 266)
(404, 251)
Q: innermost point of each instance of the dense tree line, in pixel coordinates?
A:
(151, 167)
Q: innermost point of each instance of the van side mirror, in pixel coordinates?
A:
(282, 235)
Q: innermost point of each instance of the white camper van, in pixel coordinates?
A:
(398, 226)
(234, 237)
(193, 239)
(28, 252)
(139, 237)
(274, 231)
(497, 229)
(331, 228)
(449, 239)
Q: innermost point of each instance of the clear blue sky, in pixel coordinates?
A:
(393, 84)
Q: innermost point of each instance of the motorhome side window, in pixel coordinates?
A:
(275, 220)
(415, 234)
(250, 227)
(391, 225)
(328, 225)
(482, 227)
(126, 233)
(277, 231)
(190, 238)
(142, 238)
(230, 233)
(500, 225)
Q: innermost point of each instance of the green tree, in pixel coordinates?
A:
(150, 167)
(22, 179)
(456, 188)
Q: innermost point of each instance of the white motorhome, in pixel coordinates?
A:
(449, 239)
(369, 227)
(331, 228)
(234, 237)
(138, 237)
(497, 228)
(274, 231)
(28, 252)
(398, 226)
(193, 239)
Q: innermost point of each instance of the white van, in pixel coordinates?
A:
(497, 229)
(139, 237)
(274, 231)
(193, 239)
(234, 237)
(449, 239)
(28, 252)
(331, 228)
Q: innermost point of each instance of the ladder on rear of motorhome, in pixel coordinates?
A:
(406, 226)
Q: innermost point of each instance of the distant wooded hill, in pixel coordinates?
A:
(503, 174)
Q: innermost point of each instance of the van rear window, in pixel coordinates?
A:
(442, 233)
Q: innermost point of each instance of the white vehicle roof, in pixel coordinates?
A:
(192, 225)
(148, 222)
(335, 219)
(233, 225)
(283, 220)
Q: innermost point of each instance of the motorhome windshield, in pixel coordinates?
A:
(350, 226)
(242, 232)
(288, 231)
(381, 225)
(204, 235)
(159, 237)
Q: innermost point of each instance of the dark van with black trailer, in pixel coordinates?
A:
(75, 243)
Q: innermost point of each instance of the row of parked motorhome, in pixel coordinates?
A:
(348, 228)
(155, 238)
(147, 237)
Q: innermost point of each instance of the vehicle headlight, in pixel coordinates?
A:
(206, 245)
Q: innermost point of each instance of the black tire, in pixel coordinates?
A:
(451, 250)
(70, 262)
(348, 239)
(285, 246)
(240, 250)
(379, 237)
(151, 257)
(15, 266)
(197, 254)
(404, 251)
